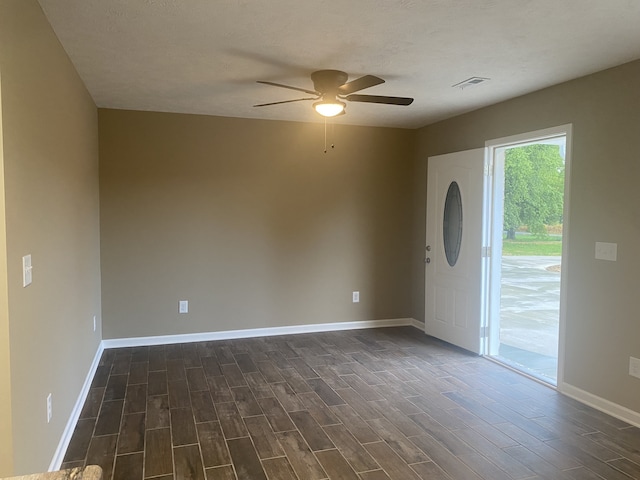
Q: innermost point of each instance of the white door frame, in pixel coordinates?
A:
(492, 233)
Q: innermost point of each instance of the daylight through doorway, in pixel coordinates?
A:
(529, 215)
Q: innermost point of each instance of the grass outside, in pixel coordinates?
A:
(530, 245)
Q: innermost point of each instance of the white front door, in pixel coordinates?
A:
(454, 248)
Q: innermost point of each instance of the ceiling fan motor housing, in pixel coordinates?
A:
(328, 81)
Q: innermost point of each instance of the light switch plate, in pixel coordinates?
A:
(27, 271)
(606, 251)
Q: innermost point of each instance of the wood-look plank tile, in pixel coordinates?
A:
(311, 431)
(196, 379)
(183, 427)
(245, 461)
(188, 463)
(258, 385)
(390, 462)
(129, 467)
(158, 412)
(444, 458)
(101, 377)
(287, 397)
(213, 445)
(335, 465)
(91, 406)
(375, 475)
(278, 469)
(276, 415)
(203, 409)
(226, 472)
(331, 378)
(269, 371)
(325, 392)
(356, 425)
(231, 421)
(245, 363)
(219, 389)
(135, 400)
(295, 380)
(102, 451)
(246, 402)
(109, 419)
(158, 458)
(116, 387)
(157, 383)
(352, 450)
(179, 394)
(176, 370)
(496, 455)
(211, 367)
(233, 375)
(397, 441)
(318, 409)
(131, 438)
(224, 355)
(157, 358)
(584, 457)
(431, 471)
(302, 460)
(462, 416)
(537, 464)
(264, 440)
(80, 440)
(367, 410)
(190, 355)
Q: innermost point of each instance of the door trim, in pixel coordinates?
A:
(523, 139)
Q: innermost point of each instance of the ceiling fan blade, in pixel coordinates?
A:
(311, 92)
(285, 101)
(380, 99)
(359, 84)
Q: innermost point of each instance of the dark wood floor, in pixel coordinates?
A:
(363, 404)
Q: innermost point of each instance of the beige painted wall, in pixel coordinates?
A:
(50, 132)
(602, 315)
(251, 223)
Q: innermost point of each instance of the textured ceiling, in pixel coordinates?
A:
(204, 56)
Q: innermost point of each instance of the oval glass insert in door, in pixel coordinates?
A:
(452, 224)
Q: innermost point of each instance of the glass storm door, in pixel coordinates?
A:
(453, 253)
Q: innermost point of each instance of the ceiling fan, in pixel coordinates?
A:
(331, 87)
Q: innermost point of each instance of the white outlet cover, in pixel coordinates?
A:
(355, 297)
(27, 271)
(183, 306)
(49, 408)
(634, 367)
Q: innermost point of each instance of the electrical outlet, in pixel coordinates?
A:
(94, 323)
(27, 271)
(49, 408)
(183, 306)
(634, 367)
(355, 297)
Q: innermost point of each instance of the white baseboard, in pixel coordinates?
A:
(258, 332)
(621, 413)
(58, 457)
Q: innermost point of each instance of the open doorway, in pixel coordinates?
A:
(527, 229)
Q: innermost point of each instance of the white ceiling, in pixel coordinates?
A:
(204, 56)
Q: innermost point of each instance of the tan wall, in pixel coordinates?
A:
(251, 222)
(602, 318)
(49, 125)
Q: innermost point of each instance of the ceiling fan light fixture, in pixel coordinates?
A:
(329, 108)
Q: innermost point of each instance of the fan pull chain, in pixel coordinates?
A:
(325, 135)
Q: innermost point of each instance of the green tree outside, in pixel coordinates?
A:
(533, 189)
